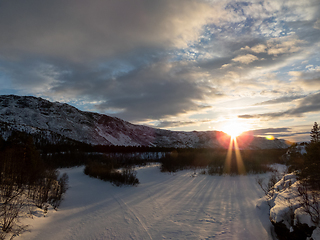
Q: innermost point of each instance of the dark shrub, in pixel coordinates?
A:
(106, 172)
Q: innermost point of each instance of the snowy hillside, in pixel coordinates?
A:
(31, 114)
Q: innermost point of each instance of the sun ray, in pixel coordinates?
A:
(227, 165)
(240, 165)
(234, 129)
(240, 168)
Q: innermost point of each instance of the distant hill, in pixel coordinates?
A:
(59, 121)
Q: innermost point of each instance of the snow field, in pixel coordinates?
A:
(162, 206)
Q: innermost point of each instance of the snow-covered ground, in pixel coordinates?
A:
(162, 206)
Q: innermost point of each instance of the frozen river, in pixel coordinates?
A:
(162, 206)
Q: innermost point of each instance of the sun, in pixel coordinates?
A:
(234, 128)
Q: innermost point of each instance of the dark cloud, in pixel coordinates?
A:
(309, 104)
(283, 132)
(305, 29)
(270, 131)
(171, 124)
(246, 116)
(312, 82)
(145, 92)
(133, 89)
(280, 100)
(309, 78)
(114, 53)
(83, 30)
(293, 134)
(155, 92)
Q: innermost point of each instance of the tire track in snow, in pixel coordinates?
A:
(134, 215)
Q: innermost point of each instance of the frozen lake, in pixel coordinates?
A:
(162, 206)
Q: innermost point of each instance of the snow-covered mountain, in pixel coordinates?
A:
(55, 120)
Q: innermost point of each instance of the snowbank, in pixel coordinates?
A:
(286, 211)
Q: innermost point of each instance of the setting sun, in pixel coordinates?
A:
(234, 128)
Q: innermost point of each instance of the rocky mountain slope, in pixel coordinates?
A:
(54, 120)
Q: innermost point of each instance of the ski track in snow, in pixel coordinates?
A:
(163, 206)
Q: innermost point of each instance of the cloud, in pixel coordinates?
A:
(38, 77)
(114, 52)
(260, 48)
(308, 79)
(81, 30)
(276, 46)
(270, 131)
(246, 59)
(280, 100)
(291, 133)
(172, 124)
(317, 24)
(309, 104)
(295, 73)
(149, 92)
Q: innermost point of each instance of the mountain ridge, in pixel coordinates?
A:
(36, 115)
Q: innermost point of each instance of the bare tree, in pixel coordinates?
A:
(268, 188)
(58, 190)
(310, 202)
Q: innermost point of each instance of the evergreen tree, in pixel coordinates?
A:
(315, 133)
(311, 166)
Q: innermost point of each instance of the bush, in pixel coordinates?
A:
(106, 172)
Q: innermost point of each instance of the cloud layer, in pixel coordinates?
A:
(82, 30)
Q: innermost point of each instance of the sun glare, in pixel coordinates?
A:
(234, 128)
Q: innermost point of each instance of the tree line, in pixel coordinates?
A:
(307, 165)
(25, 177)
(213, 161)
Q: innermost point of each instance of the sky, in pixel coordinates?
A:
(173, 64)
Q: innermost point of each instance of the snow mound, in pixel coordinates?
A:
(286, 210)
